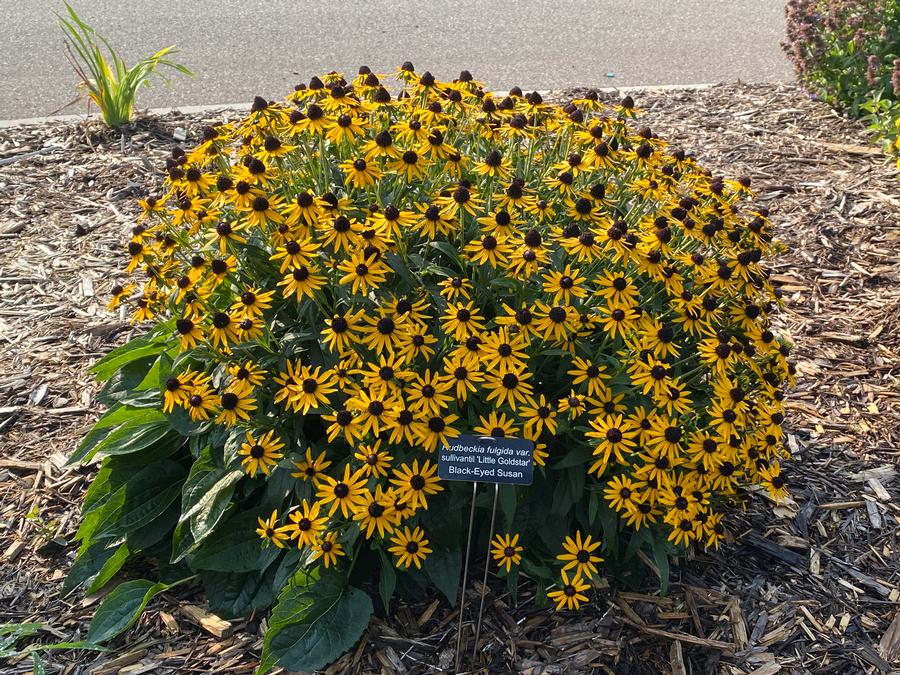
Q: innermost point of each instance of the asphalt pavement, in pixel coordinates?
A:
(238, 49)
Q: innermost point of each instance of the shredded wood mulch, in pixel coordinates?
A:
(811, 585)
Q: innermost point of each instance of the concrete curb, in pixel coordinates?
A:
(222, 107)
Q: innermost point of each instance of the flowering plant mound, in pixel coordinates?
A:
(340, 283)
(848, 53)
(845, 50)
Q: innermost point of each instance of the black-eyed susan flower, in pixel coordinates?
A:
(564, 285)
(312, 390)
(456, 287)
(327, 548)
(223, 329)
(245, 376)
(363, 272)
(620, 492)
(588, 375)
(494, 164)
(375, 513)
(554, 322)
(506, 551)
(375, 460)
(416, 342)
(511, 388)
(463, 375)
(433, 222)
(386, 375)
(410, 165)
(462, 320)
(201, 402)
(310, 467)
(260, 453)
(435, 429)
(118, 294)
(496, 425)
(341, 331)
(360, 173)
(429, 393)
(619, 289)
(461, 198)
(236, 405)
(641, 513)
(342, 493)
(618, 321)
(189, 333)
(538, 416)
(252, 302)
(415, 484)
(571, 592)
(504, 351)
(578, 555)
(305, 524)
(268, 531)
(410, 547)
(489, 249)
(615, 438)
(295, 254)
(774, 481)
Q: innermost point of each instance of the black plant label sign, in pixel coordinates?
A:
(484, 459)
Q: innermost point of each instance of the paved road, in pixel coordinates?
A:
(239, 48)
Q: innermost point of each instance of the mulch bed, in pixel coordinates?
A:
(812, 585)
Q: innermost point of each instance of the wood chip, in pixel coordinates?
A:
(209, 622)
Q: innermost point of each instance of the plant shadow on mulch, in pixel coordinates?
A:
(812, 585)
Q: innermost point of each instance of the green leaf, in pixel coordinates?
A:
(159, 529)
(121, 608)
(72, 645)
(234, 546)
(609, 522)
(95, 565)
(661, 558)
(10, 633)
(286, 568)
(118, 419)
(537, 572)
(593, 508)
(123, 386)
(182, 542)
(396, 263)
(157, 375)
(233, 595)
(124, 441)
(575, 457)
(443, 567)
(387, 580)
(512, 585)
(37, 666)
(448, 250)
(508, 284)
(206, 494)
(508, 503)
(315, 621)
(138, 348)
(145, 496)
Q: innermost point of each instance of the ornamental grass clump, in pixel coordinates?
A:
(109, 83)
(342, 282)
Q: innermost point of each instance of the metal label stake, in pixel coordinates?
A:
(487, 564)
(487, 460)
(462, 588)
